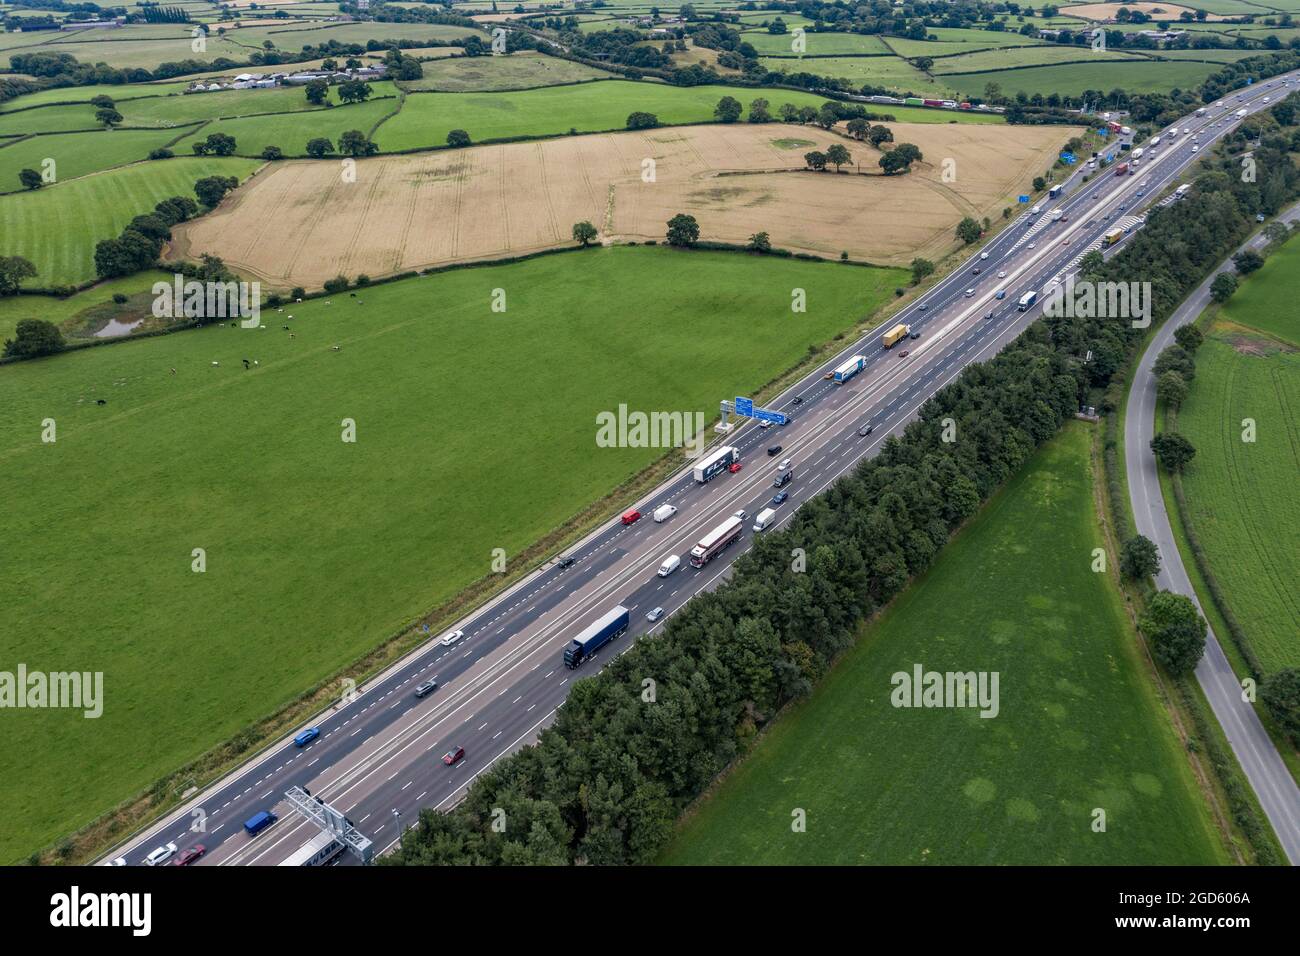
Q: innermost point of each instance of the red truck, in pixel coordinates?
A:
(1121, 169)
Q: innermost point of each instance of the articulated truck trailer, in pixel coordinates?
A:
(895, 335)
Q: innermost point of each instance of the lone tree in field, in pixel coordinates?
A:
(760, 111)
(1223, 286)
(458, 139)
(837, 155)
(641, 120)
(1176, 631)
(815, 159)
(683, 230)
(108, 116)
(318, 147)
(13, 270)
(1172, 450)
(878, 134)
(354, 91)
(318, 92)
(32, 338)
(1139, 558)
(217, 144)
(968, 230)
(30, 179)
(759, 242)
(584, 232)
(728, 110)
(356, 143)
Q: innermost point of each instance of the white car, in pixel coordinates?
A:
(742, 514)
(1002, 274)
(984, 255)
(1033, 245)
(969, 293)
(1196, 149)
(452, 638)
(765, 424)
(161, 855)
(654, 614)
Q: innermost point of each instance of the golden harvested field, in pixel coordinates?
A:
(302, 222)
(1106, 11)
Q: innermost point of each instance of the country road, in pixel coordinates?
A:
(1268, 775)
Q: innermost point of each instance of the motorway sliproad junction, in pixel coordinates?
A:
(341, 790)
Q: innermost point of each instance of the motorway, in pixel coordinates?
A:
(1259, 759)
(378, 756)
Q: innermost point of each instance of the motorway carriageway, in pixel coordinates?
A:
(503, 682)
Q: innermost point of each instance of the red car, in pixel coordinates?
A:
(735, 467)
(189, 856)
(453, 756)
(903, 354)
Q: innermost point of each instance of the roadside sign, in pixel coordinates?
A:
(745, 406)
(1068, 159)
(1022, 199)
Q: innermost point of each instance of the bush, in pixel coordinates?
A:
(337, 284)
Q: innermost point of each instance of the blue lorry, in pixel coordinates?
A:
(610, 625)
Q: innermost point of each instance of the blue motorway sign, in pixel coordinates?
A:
(745, 406)
(1022, 199)
(1068, 159)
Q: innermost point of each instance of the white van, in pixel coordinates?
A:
(663, 513)
(764, 518)
(1036, 210)
(671, 564)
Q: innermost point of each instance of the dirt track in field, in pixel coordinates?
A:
(302, 222)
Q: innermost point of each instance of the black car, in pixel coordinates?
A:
(565, 561)
(866, 430)
(915, 335)
(922, 308)
(797, 400)
(779, 497)
(773, 450)
(427, 688)
(976, 271)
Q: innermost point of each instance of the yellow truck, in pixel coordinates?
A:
(895, 334)
(1114, 236)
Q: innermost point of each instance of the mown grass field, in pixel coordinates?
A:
(426, 118)
(14, 308)
(76, 154)
(1134, 74)
(56, 227)
(490, 74)
(1079, 725)
(1241, 495)
(314, 543)
(292, 131)
(816, 44)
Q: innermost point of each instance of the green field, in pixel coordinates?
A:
(1079, 725)
(426, 118)
(57, 227)
(493, 73)
(817, 44)
(84, 94)
(291, 131)
(1241, 494)
(1135, 75)
(891, 72)
(76, 154)
(250, 466)
(1006, 59)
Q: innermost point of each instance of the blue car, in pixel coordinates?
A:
(779, 497)
(307, 736)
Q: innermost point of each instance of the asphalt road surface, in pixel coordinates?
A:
(1259, 759)
(378, 756)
